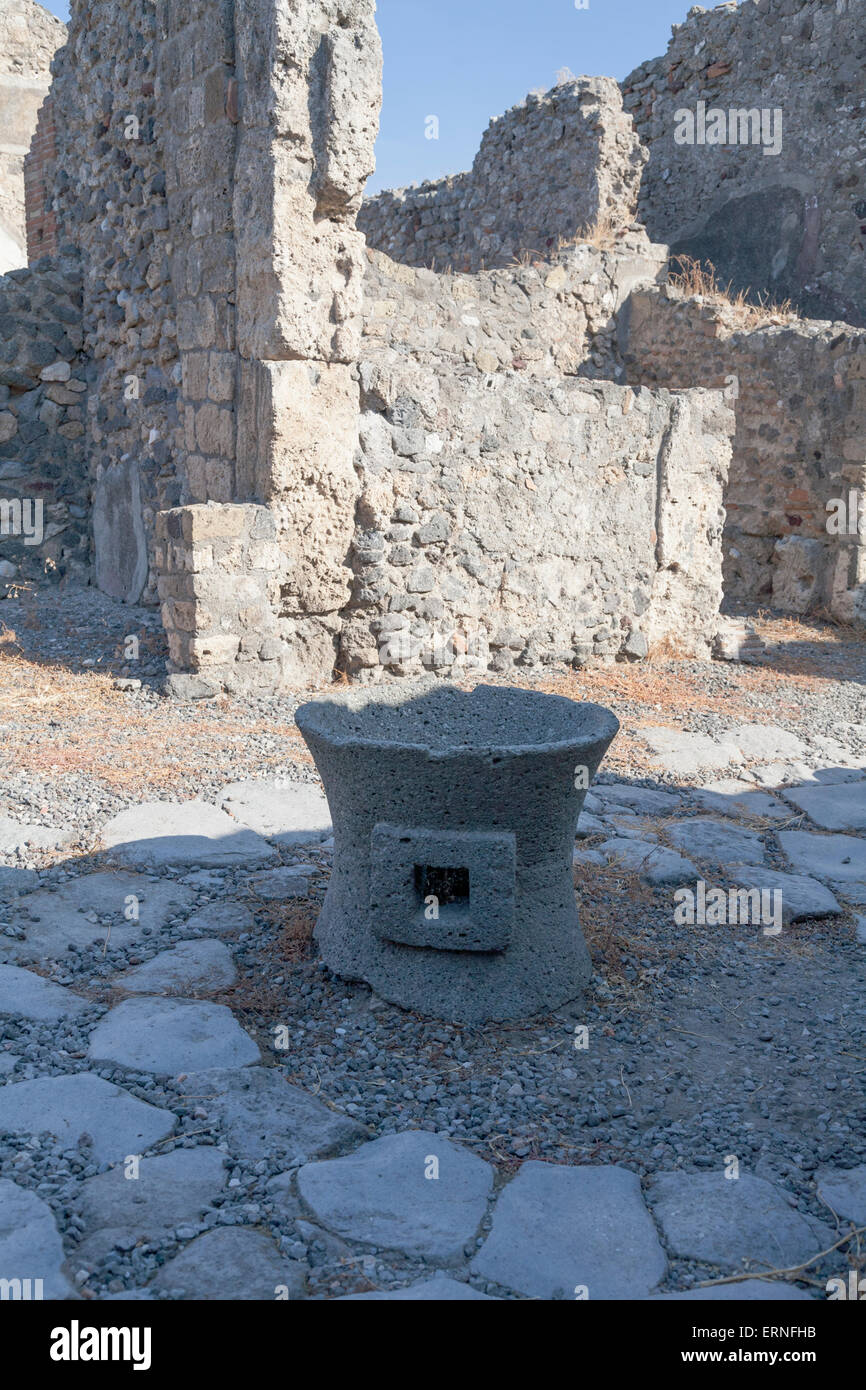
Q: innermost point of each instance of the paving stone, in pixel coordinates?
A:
(381, 1194)
(69, 1106)
(733, 797)
(648, 802)
(845, 1191)
(169, 1191)
(833, 807)
(746, 1291)
(280, 884)
(766, 741)
(801, 897)
(161, 834)
(556, 1228)
(630, 827)
(225, 919)
(689, 754)
(192, 967)
(30, 1244)
(725, 1222)
(654, 864)
(839, 859)
(25, 995)
(831, 751)
(717, 842)
(288, 813)
(588, 856)
(263, 1116)
(232, 1263)
(168, 1036)
(61, 914)
(589, 825)
(15, 836)
(437, 1290)
(14, 881)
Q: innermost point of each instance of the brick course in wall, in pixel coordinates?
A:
(40, 166)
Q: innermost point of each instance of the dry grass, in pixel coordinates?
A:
(700, 278)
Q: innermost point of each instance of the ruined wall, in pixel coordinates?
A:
(40, 175)
(552, 316)
(546, 170)
(791, 223)
(29, 36)
(513, 514)
(798, 389)
(110, 202)
(44, 511)
(267, 612)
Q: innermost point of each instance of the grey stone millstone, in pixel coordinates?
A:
(387, 1194)
(69, 1106)
(167, 1036)
(162, 834)
(231, 1263)
(30, 1244)
(557, 1228)
(390, 766)
(725, 1222)
(263, 1116)
(25, 995)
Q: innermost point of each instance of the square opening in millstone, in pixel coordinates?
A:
(448, 885)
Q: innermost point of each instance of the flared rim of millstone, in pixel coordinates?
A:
(443, 721)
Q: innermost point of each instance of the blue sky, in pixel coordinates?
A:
(465, 61)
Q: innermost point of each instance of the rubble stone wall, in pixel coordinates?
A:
(43, 386)
(798, 390)
(545, 172)
(517, 513)
(790, 223)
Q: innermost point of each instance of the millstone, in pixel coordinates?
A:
(454, 817)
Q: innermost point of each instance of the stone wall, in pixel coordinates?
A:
(515, 513)
(29, 36)
(44, 513)
(798, 389)
(40, 174)
(792, 223)
(545, 172)
(110, 201)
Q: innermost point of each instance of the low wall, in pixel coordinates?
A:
(798, 390)
(517, 513)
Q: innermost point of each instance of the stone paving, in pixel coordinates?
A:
(154, 1147)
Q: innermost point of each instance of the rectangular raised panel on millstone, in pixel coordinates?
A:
(474, 872)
